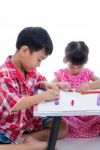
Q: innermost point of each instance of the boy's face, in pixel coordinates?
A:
(32, 60)
(74, 69)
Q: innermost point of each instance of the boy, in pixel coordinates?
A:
(18, 82)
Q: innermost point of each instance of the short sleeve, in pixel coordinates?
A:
(59, 74)
(8, 95)
(88, 74)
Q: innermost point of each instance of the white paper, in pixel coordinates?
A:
(71, 101)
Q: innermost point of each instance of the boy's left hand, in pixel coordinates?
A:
(49, 85)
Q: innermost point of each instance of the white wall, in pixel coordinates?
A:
(65, 20)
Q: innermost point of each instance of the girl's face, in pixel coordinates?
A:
(74, 69)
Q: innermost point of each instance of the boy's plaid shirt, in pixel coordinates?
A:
(12, 88)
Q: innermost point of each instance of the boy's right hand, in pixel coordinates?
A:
(51, 94)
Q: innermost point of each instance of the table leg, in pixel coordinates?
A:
(54, 133)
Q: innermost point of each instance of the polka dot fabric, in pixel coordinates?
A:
(79, 126)
(75, 80)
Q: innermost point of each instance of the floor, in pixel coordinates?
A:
(79, 144)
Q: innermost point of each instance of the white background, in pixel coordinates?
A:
(65, 20)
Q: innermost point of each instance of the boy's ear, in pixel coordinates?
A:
(24, 49)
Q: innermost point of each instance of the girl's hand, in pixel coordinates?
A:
(64, 85)
(83, 87)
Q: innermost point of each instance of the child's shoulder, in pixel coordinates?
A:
(3, 74)
(34, 72)
(87, 72)
(62, 70)
(3, 70)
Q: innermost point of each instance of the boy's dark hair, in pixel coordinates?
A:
(35, 38)
(76, 53)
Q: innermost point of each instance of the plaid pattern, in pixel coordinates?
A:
(12, 88)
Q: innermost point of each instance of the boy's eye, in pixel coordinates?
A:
(39, 60)
(79, 67)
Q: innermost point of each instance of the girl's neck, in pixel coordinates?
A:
(73, 73)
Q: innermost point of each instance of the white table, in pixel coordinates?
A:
(70, 104)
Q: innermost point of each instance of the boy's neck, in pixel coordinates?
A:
(16, 62)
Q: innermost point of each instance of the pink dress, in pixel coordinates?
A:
(79, 126)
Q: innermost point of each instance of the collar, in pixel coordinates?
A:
(13, 72)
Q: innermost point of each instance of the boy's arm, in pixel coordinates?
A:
(49, 85)
(12, 100)
(28, 101)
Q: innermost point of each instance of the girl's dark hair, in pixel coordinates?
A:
(35, 38)
(76, 53)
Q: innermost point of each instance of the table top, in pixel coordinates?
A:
(70, 104)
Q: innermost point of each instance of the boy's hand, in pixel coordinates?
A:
(51, 94)
(49, 85)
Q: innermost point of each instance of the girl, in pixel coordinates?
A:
(76, 56)
(74, 76)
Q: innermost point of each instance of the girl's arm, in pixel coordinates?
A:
(94, 78)
(55, 80)
(95, 84)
